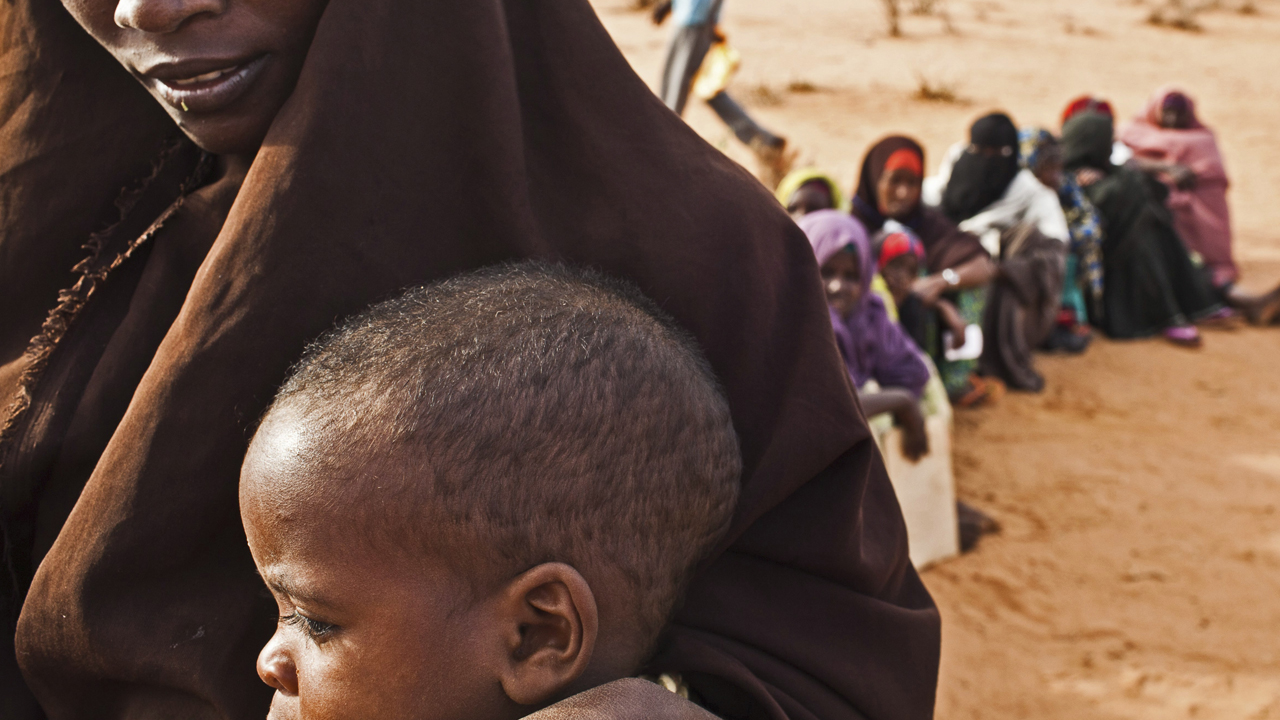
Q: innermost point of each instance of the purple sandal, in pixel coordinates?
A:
(1183, 335)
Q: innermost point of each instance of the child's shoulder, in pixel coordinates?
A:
(626, 699)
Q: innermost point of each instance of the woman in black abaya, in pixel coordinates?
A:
(1152, 286)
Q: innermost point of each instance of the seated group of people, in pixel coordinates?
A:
(1022, 241)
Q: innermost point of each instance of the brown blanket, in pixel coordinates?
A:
(1022, 306)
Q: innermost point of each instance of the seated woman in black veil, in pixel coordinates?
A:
(1152, 286)
(983, 188)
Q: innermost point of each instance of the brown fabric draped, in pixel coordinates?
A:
(1022, 305)
(423, 139)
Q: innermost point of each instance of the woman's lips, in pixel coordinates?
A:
(211, 91)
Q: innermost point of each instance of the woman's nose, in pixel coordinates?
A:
(276, 667)
(163, 16)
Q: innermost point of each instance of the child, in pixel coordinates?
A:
(485, 497)
(900, 256)
(873, 346)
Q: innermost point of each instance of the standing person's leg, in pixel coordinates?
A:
(684, 57)
(744, 127)
(770, 150)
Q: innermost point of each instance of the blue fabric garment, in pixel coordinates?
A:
(1072, 296)
(1084, 264)
(686, 13)
(1086, 232)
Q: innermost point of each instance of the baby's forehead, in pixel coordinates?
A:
(299, 454)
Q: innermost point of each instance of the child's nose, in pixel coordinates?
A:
(276, 667)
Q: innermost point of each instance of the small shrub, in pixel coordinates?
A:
(939, 92)
(1175, 14)
(1249, 8)
(893, 13)
(764, 96)
(801, 87)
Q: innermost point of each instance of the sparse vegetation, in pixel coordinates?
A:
(1176, 14)
(936, 91)
(934, 8)
(894, 14)
(764, 96)
(1249, 8)
(801, 87)
(1070, 27)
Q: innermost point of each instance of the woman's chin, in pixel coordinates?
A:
(222, 135)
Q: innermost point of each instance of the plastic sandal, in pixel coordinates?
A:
(1184, 336)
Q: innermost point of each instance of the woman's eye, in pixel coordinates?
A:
(313, 629)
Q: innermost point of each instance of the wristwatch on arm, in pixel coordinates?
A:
(950, 277)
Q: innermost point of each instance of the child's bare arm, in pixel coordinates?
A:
(906, 414)
(951, 319)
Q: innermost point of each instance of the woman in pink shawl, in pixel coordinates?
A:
(1171, 143)
(874, 347)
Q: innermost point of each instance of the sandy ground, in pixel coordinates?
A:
(1138, 571)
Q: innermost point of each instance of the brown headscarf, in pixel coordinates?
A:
(946, 246)
(156, 367)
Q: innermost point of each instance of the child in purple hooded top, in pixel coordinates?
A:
(873, 345)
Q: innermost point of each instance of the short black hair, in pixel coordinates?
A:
(547, 413)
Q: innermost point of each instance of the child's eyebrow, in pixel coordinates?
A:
(282, 584)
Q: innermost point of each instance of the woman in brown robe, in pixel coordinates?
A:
(412, 140)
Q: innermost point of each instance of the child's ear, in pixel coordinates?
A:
(550, 625)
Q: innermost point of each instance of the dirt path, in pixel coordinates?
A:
(1138, 573)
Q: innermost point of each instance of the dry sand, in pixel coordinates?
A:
(1138, 572)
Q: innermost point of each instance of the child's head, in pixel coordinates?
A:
(842, 279)
(844, 257)
(1042, 155)
(483, 496)
(900, 254)
(811, 196)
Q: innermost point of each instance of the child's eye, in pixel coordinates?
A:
(313, 629)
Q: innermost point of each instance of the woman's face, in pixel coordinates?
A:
(898, 193)
(842, 279)
(810, 197)
(1175, 118)
(221, 68)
